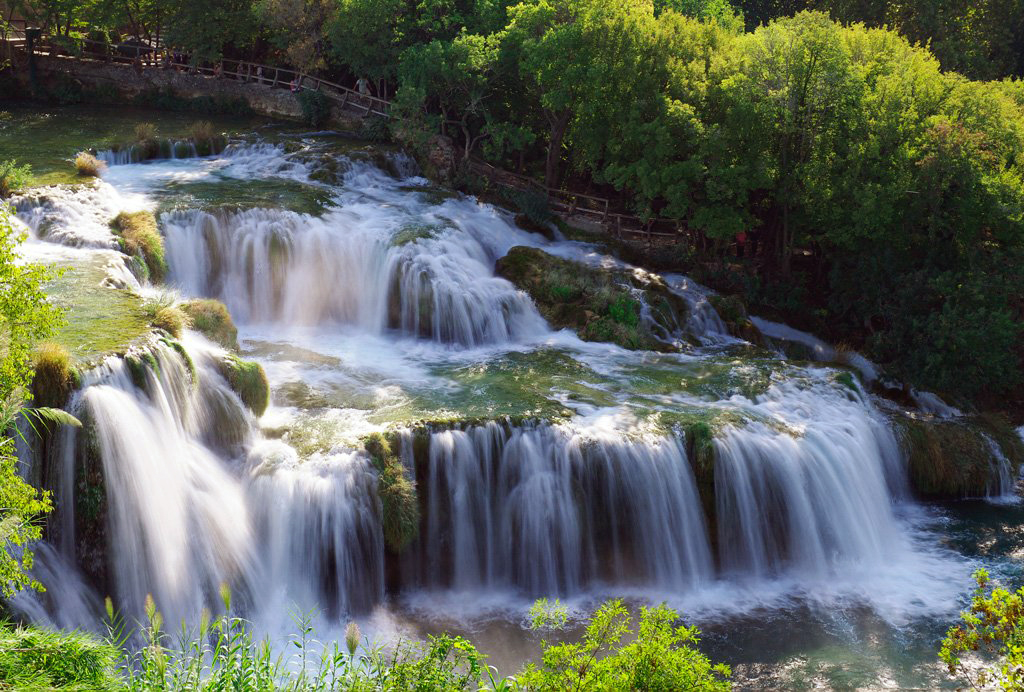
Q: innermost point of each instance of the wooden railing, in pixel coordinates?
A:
(563, 202)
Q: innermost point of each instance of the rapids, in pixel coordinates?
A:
(545, 465)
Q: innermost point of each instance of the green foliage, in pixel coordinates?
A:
(993, 626)
(139, 237)
(25, 318)
(13, 177)
(212, 319)
(316, 108)
(39, 659)
(661, 657)
(399, 505)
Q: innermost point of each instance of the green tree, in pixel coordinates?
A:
(25, 317)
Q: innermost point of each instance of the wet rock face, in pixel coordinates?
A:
(599, 304)
(441, 156)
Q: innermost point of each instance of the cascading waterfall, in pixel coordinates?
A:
(808, 478)
(298, 270)
(549, 510)
(170, 149)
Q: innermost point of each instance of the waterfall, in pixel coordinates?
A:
(170, 149)
(815, 497)
(1002, 486)
(548, 510)
(272, 266)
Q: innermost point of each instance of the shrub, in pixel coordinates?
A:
(172, 320)
(316, 108)
(13, 176)
(201, 129)
(139, 238)
(399, 507)
(88, 166)
(993, 625)
(55, 377)
(211, 318)
(144, 132)
(249, 381)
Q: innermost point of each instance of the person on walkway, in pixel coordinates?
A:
(259, 74)
(295, 85)
(363, 86)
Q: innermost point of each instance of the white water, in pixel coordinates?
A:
(811, 492)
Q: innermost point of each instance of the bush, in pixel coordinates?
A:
(211, 318)
(201, 129)
(140, 238)
(55, 377)
(249, 381)
(88, 166)
(993, 625)
(316, 108)
(144, 132)
(12, 176)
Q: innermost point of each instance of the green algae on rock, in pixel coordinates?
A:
(599, 304)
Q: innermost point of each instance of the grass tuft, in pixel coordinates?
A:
(88, 166)
(38, 659)
(172, 320)
(399, 506)
(139, 237)
(144, 132)
(55, 376)
(211, 318)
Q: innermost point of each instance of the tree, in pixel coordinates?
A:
(25, 317)
(454, 78)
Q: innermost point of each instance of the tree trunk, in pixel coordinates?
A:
(559, 125)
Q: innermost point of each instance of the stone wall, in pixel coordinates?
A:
(261, 98)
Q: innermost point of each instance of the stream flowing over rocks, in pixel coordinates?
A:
(657, 458)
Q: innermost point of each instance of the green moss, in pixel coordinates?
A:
(399, 506)
(55, 376)
(734, 314)
(138, 365)
(100, 320)
(212, 319)
(413, 232)
(947, 459)
(601, 305)
(139, 237)
(249, 381)
(848, 380)
(190, 365)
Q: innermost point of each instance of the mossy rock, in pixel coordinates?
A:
(399, 505)
(55, 377)
(599, 304)
(733, 312)
(947, 459)
(249, 381)
(212, 319)
(138, 236)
